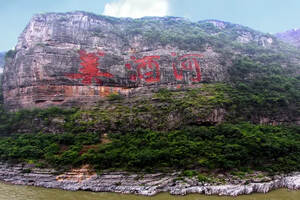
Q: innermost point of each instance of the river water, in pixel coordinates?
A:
(15, 192)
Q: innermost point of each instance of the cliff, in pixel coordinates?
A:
(79, 59)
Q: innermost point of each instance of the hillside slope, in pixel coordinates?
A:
(150, 94)
(291, 36)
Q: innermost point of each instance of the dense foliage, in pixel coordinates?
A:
(40, 149)
(262, 91)
(224, 147)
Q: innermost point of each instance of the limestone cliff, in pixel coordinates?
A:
(77, 58)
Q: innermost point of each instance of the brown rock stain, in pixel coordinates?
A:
(77, 175)
(46, 95)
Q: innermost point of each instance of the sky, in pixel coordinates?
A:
(270, 16)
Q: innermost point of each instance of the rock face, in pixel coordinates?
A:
(78, 58)
(290, 36)
(146, 184)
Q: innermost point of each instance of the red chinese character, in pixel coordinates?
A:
(133, 76)
(188, 62)
(143, 66)
(89, 70)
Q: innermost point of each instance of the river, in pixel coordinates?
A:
(16, 192)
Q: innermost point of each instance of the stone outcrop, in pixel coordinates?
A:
(67, 59)
(146, 184)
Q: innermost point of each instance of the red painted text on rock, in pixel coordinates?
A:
(147, 69)
(90, 70)
(188, 62)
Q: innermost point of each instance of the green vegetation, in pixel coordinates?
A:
(115, 97)
(224, 147)
(203, 178)
(121, 115)
(60, 150)
(263, 91)
(33, 120)
(10, 54)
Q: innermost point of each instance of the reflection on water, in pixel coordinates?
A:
(13, 192)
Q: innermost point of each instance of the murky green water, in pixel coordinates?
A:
(13, 192)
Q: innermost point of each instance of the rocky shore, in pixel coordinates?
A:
(142, 184)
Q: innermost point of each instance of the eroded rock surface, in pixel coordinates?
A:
(145, 184)
(78, 58)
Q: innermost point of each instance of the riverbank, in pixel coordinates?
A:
(20, 192)
(142, 184)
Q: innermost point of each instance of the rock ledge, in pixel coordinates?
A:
(122, 182)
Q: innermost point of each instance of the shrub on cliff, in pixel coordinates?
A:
(10, 54)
